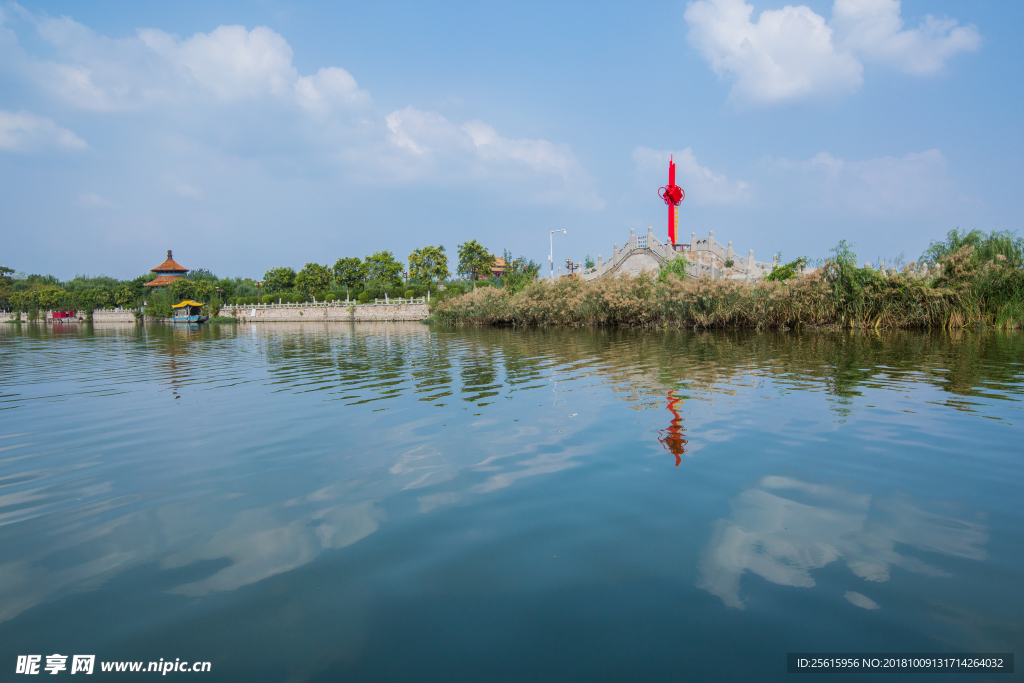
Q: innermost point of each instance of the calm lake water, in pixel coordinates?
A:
(397, 502)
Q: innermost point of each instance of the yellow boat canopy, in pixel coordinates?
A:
(187, 303)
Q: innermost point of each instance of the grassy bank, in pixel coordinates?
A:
(975, 280)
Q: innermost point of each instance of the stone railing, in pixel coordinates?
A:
(394, 309)
(706, 257)
(328, 304)
(99, 315)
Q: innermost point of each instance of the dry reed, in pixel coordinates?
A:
(966, 293)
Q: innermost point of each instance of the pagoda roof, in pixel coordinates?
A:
(187, 303)
(162, 280)
(170, 266)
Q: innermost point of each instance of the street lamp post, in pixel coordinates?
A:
(551, 252)
(259, 285)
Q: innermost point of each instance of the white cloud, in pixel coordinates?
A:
(702, 185)
(186, 190)
(877, 187)
(228, 64)
(330, 85)
(787, 54)
(793, 53)
(299, 122)
(26, 132)
(437, 148)
(94, 200)
(873, 29)
(423, 132)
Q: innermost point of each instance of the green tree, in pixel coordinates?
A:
(182, 289)
(429, 263)
(124, 296)
(349, 271)
(245, 287)
(138, 285)
(674, 266)
(382, 269)
(278, 280)
(518, 273)
(227, 285)
(48, 298)
(986, 247)
(313, 279)
(197, 274)
(474, 260)
(51, 280)
(781, 273)
(203, 291)
(588, 262)
(5, 276)
(86, 301)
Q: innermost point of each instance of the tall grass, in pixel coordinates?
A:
(966, 290)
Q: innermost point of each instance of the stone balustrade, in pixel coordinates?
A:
(334, 311)
(706, 257)
(395, 309)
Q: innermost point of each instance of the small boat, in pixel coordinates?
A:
(188, 312)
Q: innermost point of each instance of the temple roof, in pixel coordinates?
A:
(170, 266)
(161, 281)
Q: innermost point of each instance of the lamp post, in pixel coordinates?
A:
(258, 286)
(551, 252)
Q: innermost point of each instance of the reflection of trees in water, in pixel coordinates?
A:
(370, 362)
(784, 528)
(479, 374)
(641, 366)
(364, 366)
(431, 370)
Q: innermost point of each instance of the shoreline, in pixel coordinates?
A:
(266, 313)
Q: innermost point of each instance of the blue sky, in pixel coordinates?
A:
(247, 135)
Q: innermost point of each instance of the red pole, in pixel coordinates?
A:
(671, 212)
(672, 194)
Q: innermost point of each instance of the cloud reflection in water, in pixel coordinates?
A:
(784, 528)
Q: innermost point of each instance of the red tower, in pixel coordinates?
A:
(673, 195)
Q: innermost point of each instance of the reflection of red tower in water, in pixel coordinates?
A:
(672, 438)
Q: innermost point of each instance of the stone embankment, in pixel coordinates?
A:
(271, 313)
(100, 316)
(336, 312)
